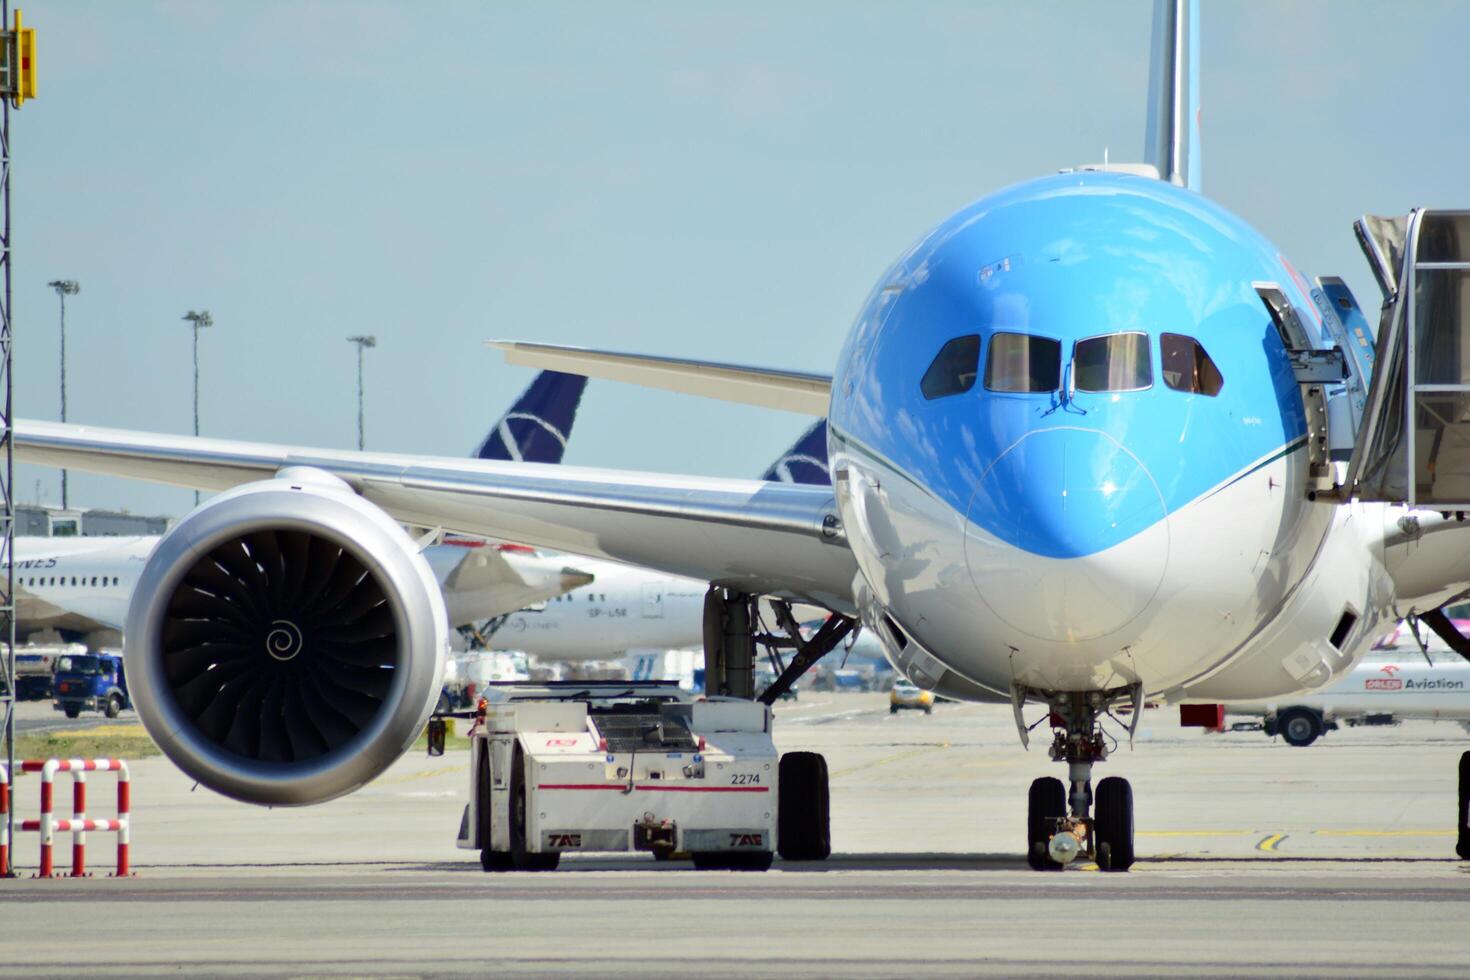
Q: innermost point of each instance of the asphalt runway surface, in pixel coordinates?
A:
(38, 717)
(1255, 858)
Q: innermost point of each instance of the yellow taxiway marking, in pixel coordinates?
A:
(1269, 843)
(899, 757)
(409, 777)
(1194, 833)
(1385, 833)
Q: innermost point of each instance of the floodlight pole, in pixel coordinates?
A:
(363, 342)
(198, 319)
(64, 288)
(7, 434)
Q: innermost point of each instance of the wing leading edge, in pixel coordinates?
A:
(776, 538)
(790, 391)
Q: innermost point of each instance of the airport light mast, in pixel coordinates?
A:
(197, 319)
(17, 85)
(363, 341)
(64, 288)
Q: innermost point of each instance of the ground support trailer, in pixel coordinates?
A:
(627, 767)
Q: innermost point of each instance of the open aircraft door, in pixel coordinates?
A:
(1413, 445)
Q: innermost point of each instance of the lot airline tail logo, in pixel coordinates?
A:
(1387, 682)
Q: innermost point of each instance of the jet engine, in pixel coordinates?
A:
(286, 641)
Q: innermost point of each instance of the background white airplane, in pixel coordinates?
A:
(628, 608)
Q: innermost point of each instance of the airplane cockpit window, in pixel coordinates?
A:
(1019, 362)
(1186, 367)
(954, 369)
(1115, 362)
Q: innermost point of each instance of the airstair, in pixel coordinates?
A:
(1413, 444)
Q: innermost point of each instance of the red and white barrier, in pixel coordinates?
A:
(4, 821)
(79, 824)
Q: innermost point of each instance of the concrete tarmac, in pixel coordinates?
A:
(1255, 858)
(37, 717)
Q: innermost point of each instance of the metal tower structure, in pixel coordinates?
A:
(362, 342)
(17, 83)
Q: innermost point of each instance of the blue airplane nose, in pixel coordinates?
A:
(1068, 535)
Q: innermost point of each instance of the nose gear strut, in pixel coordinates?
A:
(1064, 824)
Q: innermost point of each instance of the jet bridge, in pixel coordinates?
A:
(1413, 445)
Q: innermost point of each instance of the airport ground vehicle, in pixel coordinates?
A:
(907, 697)
(626, 767)
(90, 682)
(1375, 692)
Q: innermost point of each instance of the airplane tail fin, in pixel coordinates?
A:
(806, 461)
(1172, 143)
(537, 427)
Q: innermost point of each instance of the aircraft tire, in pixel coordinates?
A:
(1045, 803)
(1298, 726)
(1113, 824)
(1462, 845)
(803, 808)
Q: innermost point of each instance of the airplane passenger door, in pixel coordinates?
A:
(653, 601)
(1414, 444)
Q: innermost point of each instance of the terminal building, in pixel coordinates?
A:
(33, 520)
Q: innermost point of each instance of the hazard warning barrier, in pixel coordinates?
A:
(48, 826)
(4, 821)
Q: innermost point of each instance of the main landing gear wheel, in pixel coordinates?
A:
(1298, 726)
(1113, 824)
(803, 815)
(1462, 845)
(1045, 806)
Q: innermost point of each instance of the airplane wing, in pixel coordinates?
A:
(486, 583)
(791, 391)
(776, 538)
(1427, 555)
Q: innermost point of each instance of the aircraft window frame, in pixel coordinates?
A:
(1199, 350)
(938, 371)
(989, 359)
(1147, 350)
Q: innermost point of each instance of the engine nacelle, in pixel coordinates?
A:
(286, 641)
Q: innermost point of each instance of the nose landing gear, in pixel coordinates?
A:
(1062, 826)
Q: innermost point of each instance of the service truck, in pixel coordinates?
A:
(623, 767)
(1378, 691)
(90, 682)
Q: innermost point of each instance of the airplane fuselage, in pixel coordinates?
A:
(625, 608)
(1070, 453)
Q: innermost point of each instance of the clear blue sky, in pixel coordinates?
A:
(708, 181)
